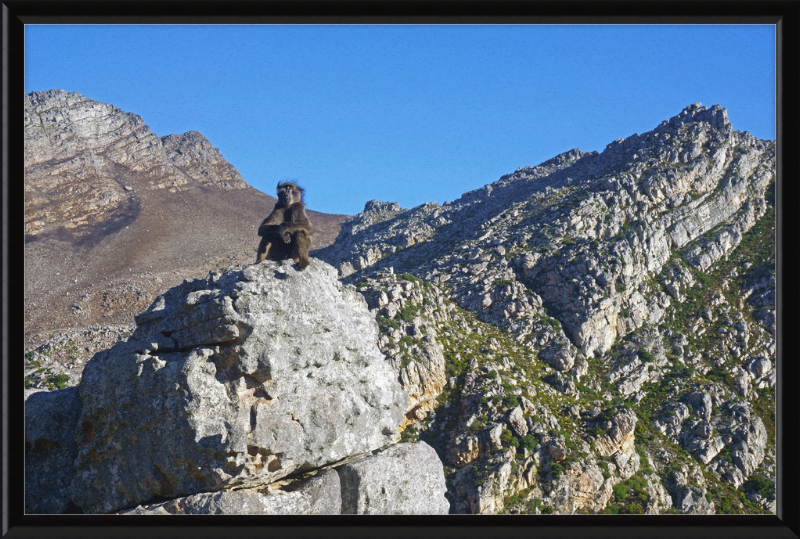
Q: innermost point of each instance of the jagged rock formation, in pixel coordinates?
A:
(584, 228)
(639, 278)
(235, 381)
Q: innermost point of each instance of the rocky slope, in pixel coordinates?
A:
(115, 214)
(255, 390)
(604, 322)
(595, 334)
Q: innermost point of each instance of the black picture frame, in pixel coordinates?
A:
(785, 14)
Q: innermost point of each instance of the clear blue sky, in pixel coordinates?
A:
(407, 113)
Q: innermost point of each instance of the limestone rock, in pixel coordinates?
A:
(517, 422)
(321, 495)
(235, 380)
(403, 479)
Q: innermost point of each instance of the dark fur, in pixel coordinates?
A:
(286, 233)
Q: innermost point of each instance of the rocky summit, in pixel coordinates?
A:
(595, 334)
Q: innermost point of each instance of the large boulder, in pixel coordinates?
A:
(233, 381)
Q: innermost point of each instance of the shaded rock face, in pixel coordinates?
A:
(236, 380)
(50, 449)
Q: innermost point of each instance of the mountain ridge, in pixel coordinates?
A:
(592, 334)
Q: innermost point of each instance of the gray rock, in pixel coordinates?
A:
(557, 449)
(405, 479)
(701, 401)
(559, 355)
(234, 381)
(321, 495)
(517, 422)
(562, 382)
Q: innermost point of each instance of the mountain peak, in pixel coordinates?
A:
(696, 112)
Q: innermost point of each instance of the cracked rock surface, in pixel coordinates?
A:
(236, 380)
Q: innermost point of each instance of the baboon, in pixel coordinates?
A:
(286, 233)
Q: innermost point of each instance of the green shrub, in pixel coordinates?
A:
(556, 470)
(603, 465)
(506, 436)
(762, 485)
(645, 356)
(547, 510)
(535, 503)
(408, 340)
(477, 426)
(384, 323)
(635, 509)
(59, 380)
(513, 401)
(529, 442)
(408, 312)
(620, 492)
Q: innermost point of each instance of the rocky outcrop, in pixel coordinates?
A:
(617, 441)
(232, 382)
(409, 311)
(194, 156)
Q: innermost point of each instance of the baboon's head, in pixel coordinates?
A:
(289, 193)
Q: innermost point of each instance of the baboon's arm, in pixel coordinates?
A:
(291, 228)
(271, 223)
